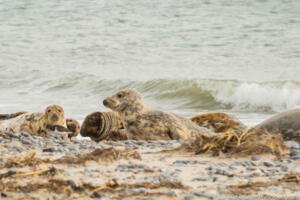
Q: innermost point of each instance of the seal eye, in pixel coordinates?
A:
(120, 95)
(49, 110)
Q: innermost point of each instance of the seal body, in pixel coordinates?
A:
(287, 123)
(219, 122)
(143, 123)
(103, 126)
(36, 123)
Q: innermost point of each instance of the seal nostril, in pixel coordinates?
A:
(105, 102)
(54, 117)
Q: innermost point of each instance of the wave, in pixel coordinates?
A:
(200, 94)
(211, 94)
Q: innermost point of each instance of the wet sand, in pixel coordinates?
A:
(53, 168)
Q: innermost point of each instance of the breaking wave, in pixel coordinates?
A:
(204, 94)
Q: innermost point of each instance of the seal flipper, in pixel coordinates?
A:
(9, 116)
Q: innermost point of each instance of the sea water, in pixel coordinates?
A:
(241, 57)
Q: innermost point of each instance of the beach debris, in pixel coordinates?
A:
(105, 155)
(103, 126)
(251, 142)
(291, 180)
(219, 122)
(69, 187)
(27, 159)
(53, 185)
(113, 186)
(15, 174)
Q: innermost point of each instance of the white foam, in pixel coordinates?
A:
(258, 96)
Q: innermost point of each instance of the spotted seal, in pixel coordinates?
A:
(287, 123)
(219, 122)
(36, 123)
(143, 123)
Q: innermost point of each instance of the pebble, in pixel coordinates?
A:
(140, 142)
(296, 158)
(102, 198)
(221, 189)
(284, 168)
(201, 179)
(180, 162)
(189, 196)
(275, 188)
(223, 172)
(140, 190)
(51, 149)
(232, 167)
(211, 194)
(251, 168)
(256, 174)
(172, 193)
(255, 158)
(268, 164)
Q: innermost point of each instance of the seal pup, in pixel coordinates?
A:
(72, 130)
(103, 126)
(36, 123)
(287, 123)
(143, 123)
(219, 122)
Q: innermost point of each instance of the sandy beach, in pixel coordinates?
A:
(34, 167)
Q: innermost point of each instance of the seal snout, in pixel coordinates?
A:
(105, 102)
(54, 117)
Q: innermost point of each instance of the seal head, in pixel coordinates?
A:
(126, 102)
(55, 116)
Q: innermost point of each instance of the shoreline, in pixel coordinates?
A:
(83, 169)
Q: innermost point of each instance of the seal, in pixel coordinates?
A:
(287, 123)
(104, 126)
(143, 123)
(36, 123)
(73, 126)
(72, 130)
(219, 122)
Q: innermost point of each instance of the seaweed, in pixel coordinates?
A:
(291, 180)
(249, 142)
(105, 155)
(27, 159)
(14, 174)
